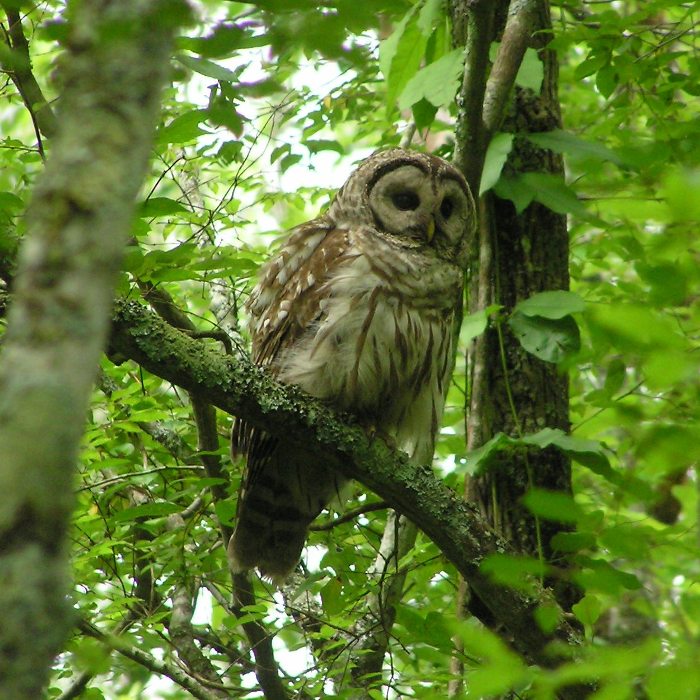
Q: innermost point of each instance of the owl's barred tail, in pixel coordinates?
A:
(286, 491)
(268, 538)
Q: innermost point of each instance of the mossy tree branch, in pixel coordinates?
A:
(236, 386)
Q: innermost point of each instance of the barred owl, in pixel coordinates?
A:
(357, 309)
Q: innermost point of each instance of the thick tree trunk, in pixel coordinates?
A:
(77, 226)
(513, 391)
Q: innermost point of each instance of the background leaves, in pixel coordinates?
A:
(270, 106)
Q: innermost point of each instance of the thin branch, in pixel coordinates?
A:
(19, 69)
(76, 688)
(522, 16)
(149, 662)
(135, 475)
(266, 669)
(350, 515)
(470, 143)
(375, 626)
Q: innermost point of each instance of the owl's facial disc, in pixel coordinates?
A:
(401, 201)
(412, 205)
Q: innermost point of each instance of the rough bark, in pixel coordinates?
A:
(77, 226)
(515, 392)
(514, 257)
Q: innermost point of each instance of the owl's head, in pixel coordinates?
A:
(418, 199)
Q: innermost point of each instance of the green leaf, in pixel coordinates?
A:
(10, 202)
(315, 146)
(587, 452)
(496, 155)
(400, 57)
(593, 62)
(531, 72)
(554, 305)
(516, 190)
(437, 83)
(552, 505)
(479, 459)
(588, 609)
(204, 66)
(554, 193)
(331, 597)
(183, 128)
(681, 190)
(572, 541)
(514, 571)
(475, 324)
(615, 376)
(600, 575)
(431, 12)
(225, 512)
(147, 510)
(551, 340)
(160, 206)
(548, 617)
(223, 41)
(288, 161)
(423, 114)
(561, 141)
(607, 80)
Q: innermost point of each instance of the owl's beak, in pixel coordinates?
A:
(430, 231)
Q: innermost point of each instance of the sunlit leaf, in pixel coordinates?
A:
(437, 82)
(551, 340)
(531, 71)
(496, 155)
(553, 305)
(206, 67)
(552, 505)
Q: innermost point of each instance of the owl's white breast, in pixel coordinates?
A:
(382, 347)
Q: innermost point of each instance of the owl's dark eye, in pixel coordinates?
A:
(405, 201)
(447, 207)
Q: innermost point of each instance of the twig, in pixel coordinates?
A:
(470, 146)
(149, 662)
(408, 135)
(349, 515)
(266, 670)
(21, 73)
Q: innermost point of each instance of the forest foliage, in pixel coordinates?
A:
(269, 106)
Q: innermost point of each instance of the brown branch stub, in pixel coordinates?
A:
(182, 637)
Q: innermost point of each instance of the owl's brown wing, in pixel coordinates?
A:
(289, 297)
(280, 493)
